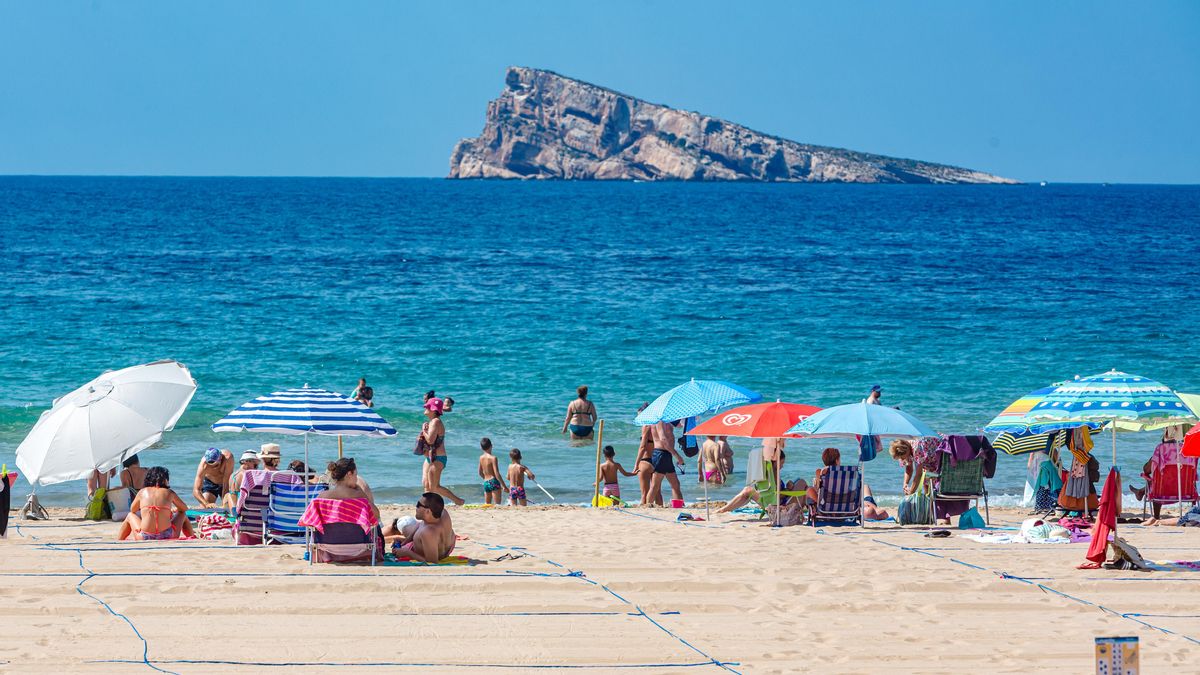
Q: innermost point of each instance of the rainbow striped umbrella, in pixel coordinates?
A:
(1138, 402)
(1012, 419)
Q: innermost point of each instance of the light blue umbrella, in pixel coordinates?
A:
(862, 419)
(693, 398)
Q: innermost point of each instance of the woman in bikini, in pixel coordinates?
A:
(156, 513)
(581, 416)
(432, 441)
(642, 466)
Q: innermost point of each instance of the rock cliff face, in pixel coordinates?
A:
(545, 125)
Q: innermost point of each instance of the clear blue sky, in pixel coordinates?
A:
(1058, 91)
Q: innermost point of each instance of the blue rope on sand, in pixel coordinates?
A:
(690, 523)
(402, 664)
(1128, 616)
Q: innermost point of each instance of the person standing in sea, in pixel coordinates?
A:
(581, 416)
(432, 443)
(363, 393)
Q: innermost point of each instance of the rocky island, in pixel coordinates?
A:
(547, 126)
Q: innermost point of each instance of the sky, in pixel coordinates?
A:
(1063, 92)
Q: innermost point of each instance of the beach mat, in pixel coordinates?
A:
(390, 560)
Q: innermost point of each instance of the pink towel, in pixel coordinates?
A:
(322, 511)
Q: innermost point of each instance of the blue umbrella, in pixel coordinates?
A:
(306, 411)
(862, 419)
(693, 398)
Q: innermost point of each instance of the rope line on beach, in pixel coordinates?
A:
(690, 523)
(1128, 616)
(578, 574)
(401, 664)
(145, 645)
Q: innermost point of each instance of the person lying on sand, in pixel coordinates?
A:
(1189, 519)
(434, 538)
(156, 512)
(871, 510)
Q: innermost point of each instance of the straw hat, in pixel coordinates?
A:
(269, 451)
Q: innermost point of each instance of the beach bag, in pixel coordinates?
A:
(98, 508)
(214, 526)
(916, 509)
(971, 520)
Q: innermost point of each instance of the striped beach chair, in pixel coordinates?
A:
(285, 505)
(840, 495)
(253, 498)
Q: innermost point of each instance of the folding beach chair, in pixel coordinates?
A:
(253, 498)
(1173, 484)
(285, 504)
(961, 480)
(839, 496)
(336, 541)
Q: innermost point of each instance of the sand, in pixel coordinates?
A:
(594, 588)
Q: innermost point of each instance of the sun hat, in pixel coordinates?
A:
(212, 456)
(876, 387)
(249, 456)
(435, 404)
(269, 451)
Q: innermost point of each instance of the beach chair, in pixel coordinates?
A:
(1172, 484)
(253, 498)
(839, 496)
(286, 502)
(958, 481)
(341, 530)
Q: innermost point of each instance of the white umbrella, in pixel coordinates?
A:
(105, 421)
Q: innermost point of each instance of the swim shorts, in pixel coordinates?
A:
(662, 462)
(612, 490)
(211, 488)
(516, 493)
(491, 485)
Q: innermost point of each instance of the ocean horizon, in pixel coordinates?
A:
(508, 295)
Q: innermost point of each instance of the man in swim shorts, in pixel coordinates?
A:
(663, 434)
(212, 477)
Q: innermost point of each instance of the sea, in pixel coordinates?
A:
(955, 299)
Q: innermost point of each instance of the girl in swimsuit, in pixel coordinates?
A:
(581, 416)
(150, 515)
(433, 435)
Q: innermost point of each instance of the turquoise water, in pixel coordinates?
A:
(956, 299)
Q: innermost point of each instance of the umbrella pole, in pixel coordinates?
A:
(1114, 427)
(862, 493)
(599, 444)
(339, 448)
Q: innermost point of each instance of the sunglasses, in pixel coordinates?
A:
(421, 506)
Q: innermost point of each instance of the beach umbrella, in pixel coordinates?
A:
(862, 419)
(1137, 402)
(1012, 419)
(695, 397)
(305, 411)
(758, 420)
(100, 424)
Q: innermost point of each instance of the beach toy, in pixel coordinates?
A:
(602, 501)
(544, 490)
(677, 503)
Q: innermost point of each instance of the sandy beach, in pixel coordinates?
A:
(593, 589)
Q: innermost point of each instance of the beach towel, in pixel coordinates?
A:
(1106, 520)
(214, 526)
(323, 511)
(392, 561)
(754, 466)
(868, 447)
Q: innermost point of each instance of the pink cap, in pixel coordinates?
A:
(435, 404)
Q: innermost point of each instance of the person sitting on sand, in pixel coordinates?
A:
(212, 477)
(345, 484)
(156, 512)
(133, 476)
(247, 462)
(516, 478)
(1189, 519)
(1165, 458)
(711, 466)
(581, 416)
(608, 473)
(434, 538)
(494, 486)
(871, 510)
(750, 492)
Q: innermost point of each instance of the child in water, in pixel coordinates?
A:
(489, 471)
(516, 477)
(608, 473)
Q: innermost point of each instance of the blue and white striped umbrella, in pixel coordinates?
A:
(1109, 397)
(306, 411)
(693, 398)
